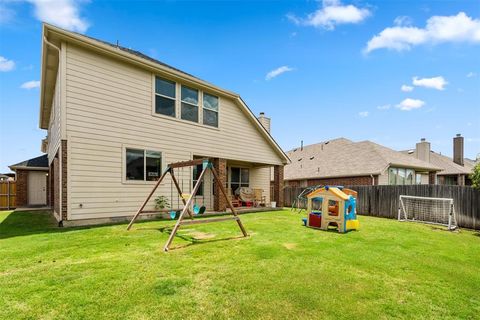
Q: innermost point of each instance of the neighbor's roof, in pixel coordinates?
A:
(445, 163)
(54, 36)
(40, 162)
(344, 158)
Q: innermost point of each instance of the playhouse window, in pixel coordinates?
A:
(317, 204)
(189, 104)
(333, 207)
(165, 96)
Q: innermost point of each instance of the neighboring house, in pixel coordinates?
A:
(344, 162)
(454, 171)
(32, 181)
(116, 118)
(7, 176)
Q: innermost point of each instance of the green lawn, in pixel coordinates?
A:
(387, 269)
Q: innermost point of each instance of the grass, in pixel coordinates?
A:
(386, 270)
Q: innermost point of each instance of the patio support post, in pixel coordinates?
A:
(220, 203)
(278, 185)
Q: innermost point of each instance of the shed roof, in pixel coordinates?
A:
(344, 158)
(40, 162)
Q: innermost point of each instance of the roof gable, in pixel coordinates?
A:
(37, 162)
(139, 59)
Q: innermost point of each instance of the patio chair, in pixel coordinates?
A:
(260, 199)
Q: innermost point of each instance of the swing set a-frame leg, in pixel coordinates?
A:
(185, 209)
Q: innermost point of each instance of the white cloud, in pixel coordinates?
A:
(437, 83)
(406, 88)
(438, 29)
(30, 85)
(331, 14)
(6, 65)
(471, 74)
(276, 72)
(384, 107)
(403, 21)
(363, 114)
(410, 104)
(62, 13)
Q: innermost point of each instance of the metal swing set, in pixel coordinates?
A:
(206, 165)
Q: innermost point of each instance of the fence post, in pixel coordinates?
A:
(8, 195)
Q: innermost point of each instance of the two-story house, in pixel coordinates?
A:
(116, 118)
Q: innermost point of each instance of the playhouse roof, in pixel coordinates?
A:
(335, 191)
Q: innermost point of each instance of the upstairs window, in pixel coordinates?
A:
(142, 165)
(165, 96)
(210, 110)
(189, 104)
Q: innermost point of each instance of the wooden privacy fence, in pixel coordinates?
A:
(8, 195)
(383, 201)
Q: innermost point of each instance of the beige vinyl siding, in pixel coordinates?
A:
(260, 179)
(109, 107)
(54, 131)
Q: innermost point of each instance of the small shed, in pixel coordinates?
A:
(32, 181)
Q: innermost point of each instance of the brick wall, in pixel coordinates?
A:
(64, 179)
(56, 185)
(431, 177)
(22, 187)
(278, 184)
(345, 181)
(219, 202)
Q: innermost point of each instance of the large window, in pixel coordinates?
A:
(165, 97)
(189, 104)
(402, 176)
(240, 177)
(142, 165)
(210, 110)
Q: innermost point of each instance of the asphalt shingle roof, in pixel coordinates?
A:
(344, 158)
(38, 162)
(445, 163)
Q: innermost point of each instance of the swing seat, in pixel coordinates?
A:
(199, 210)
(173, 214)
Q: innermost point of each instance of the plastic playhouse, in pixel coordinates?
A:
(332, 206)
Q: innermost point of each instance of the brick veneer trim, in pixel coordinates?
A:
(219, 202)
(22, 188)
(64, 167)
(278, 185)
(346, 181)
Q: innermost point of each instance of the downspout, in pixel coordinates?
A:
(51, 44)
(373, 179)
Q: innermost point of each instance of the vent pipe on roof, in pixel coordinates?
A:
(458, 149)
(301, 145)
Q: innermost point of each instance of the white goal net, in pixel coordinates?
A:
(427, 210)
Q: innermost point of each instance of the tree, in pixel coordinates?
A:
(475, 176)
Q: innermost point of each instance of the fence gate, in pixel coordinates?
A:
(8, 195)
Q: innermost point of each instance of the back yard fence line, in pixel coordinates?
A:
(8, 195)
(383, 201)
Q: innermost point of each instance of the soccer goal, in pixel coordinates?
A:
(427, 210)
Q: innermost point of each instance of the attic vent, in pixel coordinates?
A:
(311, 158)
(294, 150)
(410, 151)
(300, 159)
(327, 142)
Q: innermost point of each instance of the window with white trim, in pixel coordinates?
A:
(189, 109)
(402, 176)
(210, 110)
(165, 97)
(142, 165)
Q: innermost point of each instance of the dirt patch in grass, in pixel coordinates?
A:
(290, 246)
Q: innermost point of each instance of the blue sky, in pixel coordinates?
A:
(321, 70)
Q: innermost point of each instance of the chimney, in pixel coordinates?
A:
(264, 121)
(458, 149)
(422, 150)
